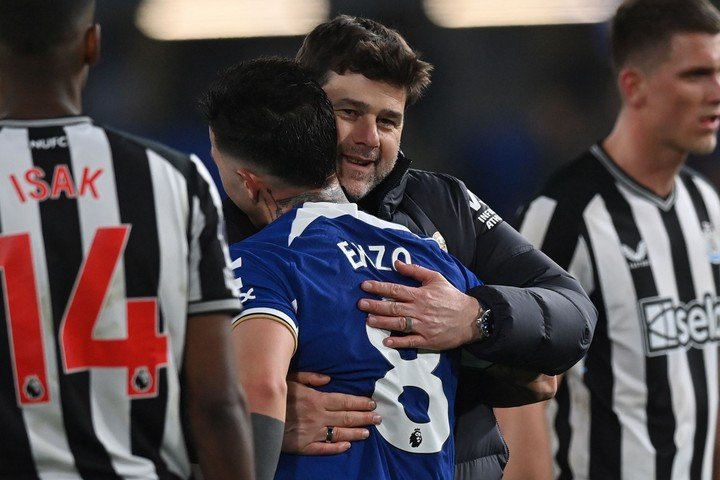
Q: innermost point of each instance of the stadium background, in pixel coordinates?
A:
(506, 107)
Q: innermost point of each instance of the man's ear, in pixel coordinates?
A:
(250, 182)
(631, 82)
(92, 44)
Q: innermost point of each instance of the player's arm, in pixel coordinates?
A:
(543, 320)
(543, 324)
(503, 387)
(216, 406)
(310, 412)
(443, 318)
(526, 432)
(556, 231)
(264, 346)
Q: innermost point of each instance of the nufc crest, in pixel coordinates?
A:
(711, 239)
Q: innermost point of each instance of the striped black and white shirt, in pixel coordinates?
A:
(107, 244)
(643, 403)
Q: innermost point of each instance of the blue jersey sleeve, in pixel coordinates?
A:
(262, 278)
(469, 279)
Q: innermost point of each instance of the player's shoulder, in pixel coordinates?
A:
(567, 192)
(135, 145)
(264, 251)
(277, 237)
(577, 181)
(440, 194)
(688, 174)
(328, 220)
(434, 181)
(272, 235)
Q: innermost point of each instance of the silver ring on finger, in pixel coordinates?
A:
(408, 325)
(330, 434)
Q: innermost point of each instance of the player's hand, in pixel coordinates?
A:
(310, 412)
(442, 317)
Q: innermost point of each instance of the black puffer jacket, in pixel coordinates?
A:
(543, 320)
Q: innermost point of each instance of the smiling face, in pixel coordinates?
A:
(681, 95)
(369, 115)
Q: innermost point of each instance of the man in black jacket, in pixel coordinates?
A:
(531, 315)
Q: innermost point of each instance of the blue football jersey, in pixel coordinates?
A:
(305, 270)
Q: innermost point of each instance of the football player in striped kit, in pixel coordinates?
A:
(641, 231)
(114, 278)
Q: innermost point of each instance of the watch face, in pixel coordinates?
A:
(486, 323)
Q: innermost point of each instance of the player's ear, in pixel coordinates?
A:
(250, 182)
(631, 82)
(92, 44)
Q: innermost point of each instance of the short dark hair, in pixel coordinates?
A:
(33, 27)
(642, 29)
(364, 46)
(271, 113)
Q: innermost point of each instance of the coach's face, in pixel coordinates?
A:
(369, 115)
(683, 94)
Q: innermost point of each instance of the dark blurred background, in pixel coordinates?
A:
(506, 107)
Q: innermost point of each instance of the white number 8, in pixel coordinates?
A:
(396, 427)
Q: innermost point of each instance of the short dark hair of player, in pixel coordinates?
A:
(271, 113)
(642, 29)
(361, 45)
(34, 27)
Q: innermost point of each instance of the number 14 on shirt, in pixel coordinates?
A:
(142, 352)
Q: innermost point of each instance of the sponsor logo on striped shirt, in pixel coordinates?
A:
(669, 326)
(638, 257)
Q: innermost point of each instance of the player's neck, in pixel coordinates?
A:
(23, 97)
(277, 203)
(644, 159)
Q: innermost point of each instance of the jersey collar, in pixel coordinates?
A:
(44, 122)
(664, 203)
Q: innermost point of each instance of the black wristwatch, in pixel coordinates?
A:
(484, 324)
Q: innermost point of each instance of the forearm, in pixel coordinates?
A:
(543, 319)
(216, 406)
(501, 386)
(545, 326)
(268, 435)
(266, 396)
(263, 348)
(525, 430)
(222, 437)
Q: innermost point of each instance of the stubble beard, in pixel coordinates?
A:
(704, 146)
(707, 147)
(357, 184)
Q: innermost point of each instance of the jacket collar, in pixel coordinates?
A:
(383, 200)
